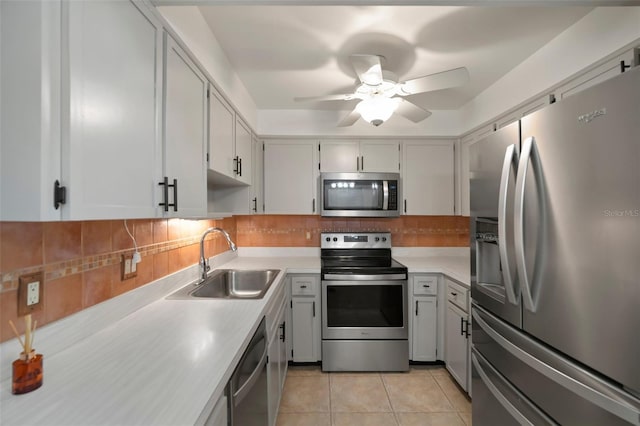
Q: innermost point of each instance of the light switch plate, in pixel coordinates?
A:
(128, 268)
(30, 293)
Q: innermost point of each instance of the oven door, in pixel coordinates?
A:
(364, 309)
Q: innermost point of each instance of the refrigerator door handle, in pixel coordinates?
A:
(521, 264)
(509, 157)
(484, 370)
(588, 387)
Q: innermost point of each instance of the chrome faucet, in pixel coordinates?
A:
(204, 265)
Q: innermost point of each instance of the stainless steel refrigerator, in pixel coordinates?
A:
(555, 271)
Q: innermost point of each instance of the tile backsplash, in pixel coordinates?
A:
(81, 260)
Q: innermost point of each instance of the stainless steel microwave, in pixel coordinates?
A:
(360, 194)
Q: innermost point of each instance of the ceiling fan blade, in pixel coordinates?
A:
(437, 81)
(340, 97)
(349, 119)
(368, 68)
(412, 111)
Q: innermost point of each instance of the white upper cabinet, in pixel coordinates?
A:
(184, 191)
(222, 124)
(428, 178)
(380, 156)
(359, 156)
(84, 112)
(113, 142)
(257, 186)
(244, 152)
(290, 177)
(339, 156)
(230, 144)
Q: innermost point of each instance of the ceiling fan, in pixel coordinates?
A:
(381, 94)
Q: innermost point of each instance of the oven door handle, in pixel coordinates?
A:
(365, 277)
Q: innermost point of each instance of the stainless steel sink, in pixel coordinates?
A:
(230, 284)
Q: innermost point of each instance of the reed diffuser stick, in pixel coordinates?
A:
(33, 332)
(27, 334)
(13, 327)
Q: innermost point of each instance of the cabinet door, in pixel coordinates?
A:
(257, 184)
(222, 121)
(339, 156)
(303, 316)
(456, 344)
(425, 320)
(282, 346)
(290, 177)
(184, 121)
(113, 149)
(244, 152)
(380, 156)
(428, 184)
(273, 378)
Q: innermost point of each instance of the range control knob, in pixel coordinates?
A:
(328, 239)
(335, 238)
(384, 238)
(377, 239)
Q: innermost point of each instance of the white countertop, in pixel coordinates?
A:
(166, 362)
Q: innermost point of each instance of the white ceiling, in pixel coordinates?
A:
(282, 52)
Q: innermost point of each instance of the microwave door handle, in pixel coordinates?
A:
(385, 190)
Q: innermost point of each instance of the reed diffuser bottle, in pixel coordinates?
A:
(27, 369)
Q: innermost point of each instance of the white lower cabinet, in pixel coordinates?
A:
(276, 354)
(457, 334)
(305, 318)
(424, 311)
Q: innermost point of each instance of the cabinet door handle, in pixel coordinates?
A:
(454, 294)
(405, 205)
(283, 328)
(175, 195)
(303, 286)
(255, 204)
(362, 163)
(165, 194)
(426, 285)
(313, 206)
(467, 334)
(462, 326)
(416, 308)
(239, 166)
(358, 164)
(314, 308)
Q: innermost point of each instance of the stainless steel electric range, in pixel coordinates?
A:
(364, 304)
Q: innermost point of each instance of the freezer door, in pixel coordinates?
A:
(497, 402)
(492, 171)
(565, 391)
(577, 227)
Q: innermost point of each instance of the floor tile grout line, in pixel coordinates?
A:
(386, 391)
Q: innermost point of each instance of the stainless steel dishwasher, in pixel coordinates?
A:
(247, 390)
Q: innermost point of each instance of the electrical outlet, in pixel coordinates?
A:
(128, 268)
(33, 293)
(30, 293)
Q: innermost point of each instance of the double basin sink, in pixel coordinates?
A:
(230, 284)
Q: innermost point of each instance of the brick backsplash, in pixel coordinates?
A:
(81, 260)
(304, 231)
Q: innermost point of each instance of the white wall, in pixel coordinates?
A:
(598, 35)
(189, 24)
(318, 123)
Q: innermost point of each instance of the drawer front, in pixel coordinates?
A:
(458, 295)
(304, 286)
(425, 284)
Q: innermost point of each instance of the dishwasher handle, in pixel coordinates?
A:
(246, 387)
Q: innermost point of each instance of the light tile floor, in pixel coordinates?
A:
(425, 396)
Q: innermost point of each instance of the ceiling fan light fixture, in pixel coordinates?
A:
(378, 109)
